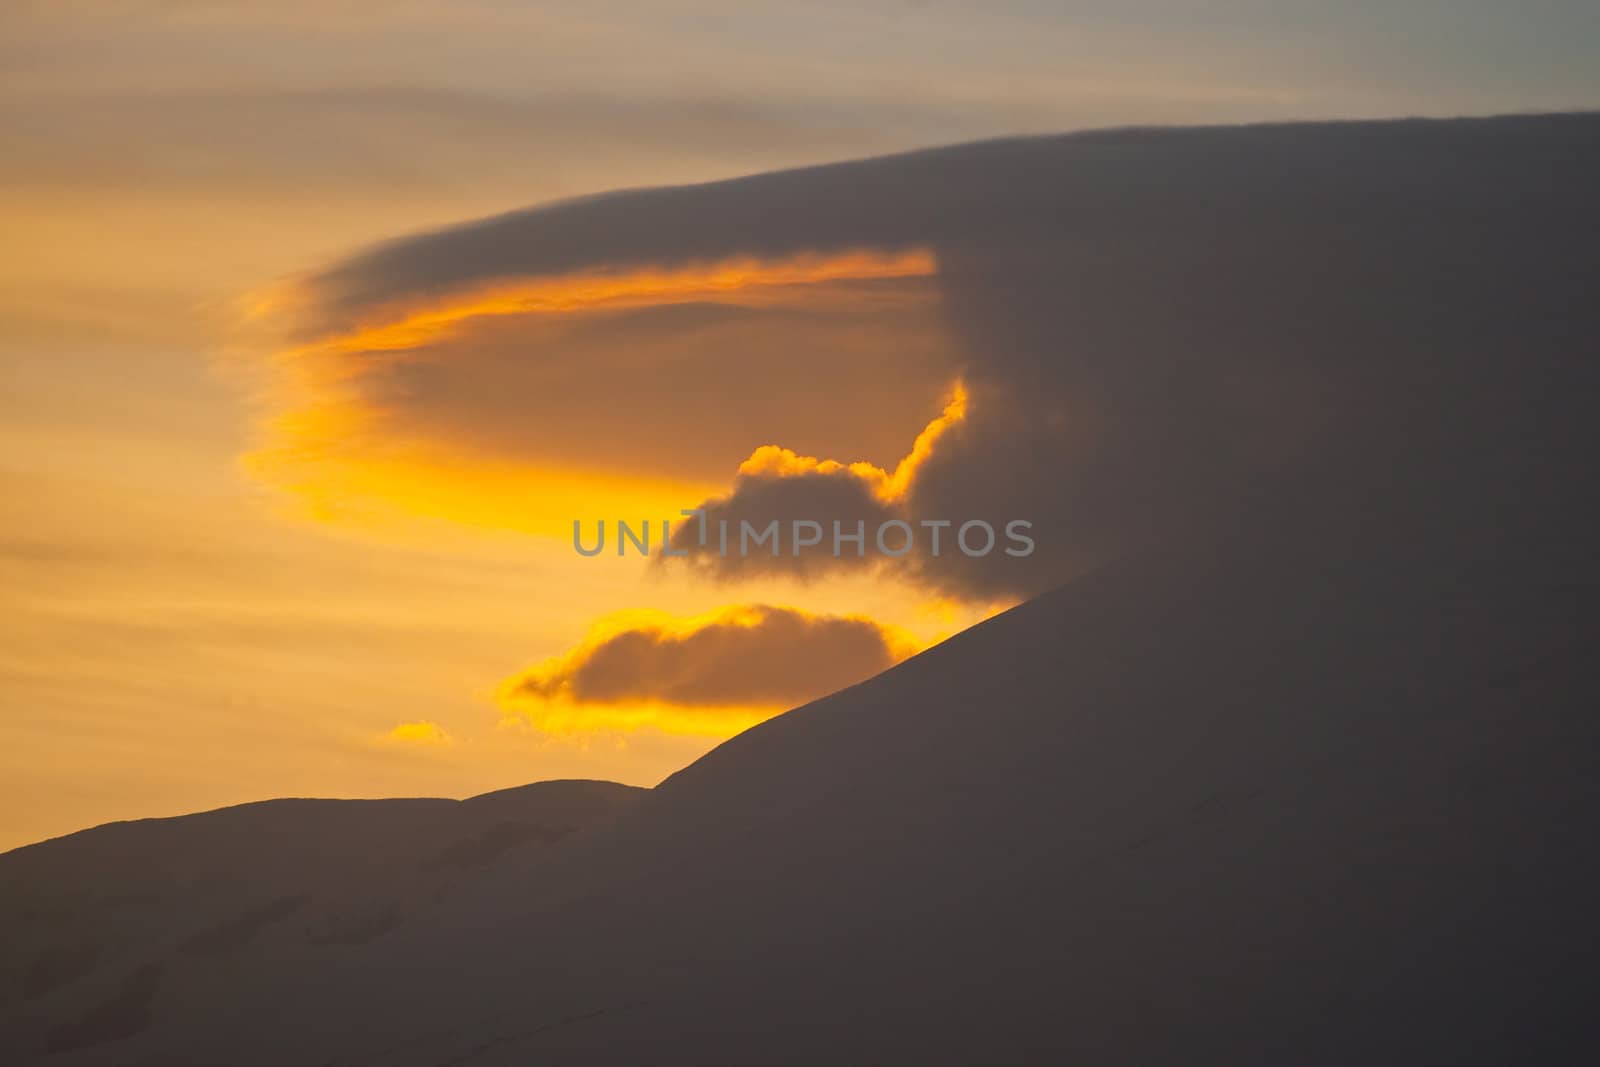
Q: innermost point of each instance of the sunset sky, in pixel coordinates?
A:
(292, 447)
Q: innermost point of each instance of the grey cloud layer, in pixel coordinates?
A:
(1158, 325)
(677, 390)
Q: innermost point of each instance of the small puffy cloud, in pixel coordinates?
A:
(709, 674)
(803, 517)
(777, 487)
(745, 517)
(422, 732)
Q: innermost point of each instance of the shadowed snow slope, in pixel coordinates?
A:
(96, 922)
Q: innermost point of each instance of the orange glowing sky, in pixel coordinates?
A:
(288, 555)
(344, 465)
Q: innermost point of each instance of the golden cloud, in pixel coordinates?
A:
(420, 732)
(501, 404)
(775, 461)
(716, 673)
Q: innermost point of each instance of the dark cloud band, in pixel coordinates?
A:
(1155, 326)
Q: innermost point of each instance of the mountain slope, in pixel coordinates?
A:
(1298, 795)
(108, 915)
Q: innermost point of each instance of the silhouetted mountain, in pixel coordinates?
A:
(1291, 795)
(96, 921)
